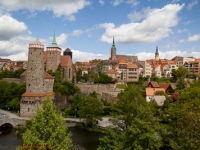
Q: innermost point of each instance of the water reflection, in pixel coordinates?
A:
(82, 139)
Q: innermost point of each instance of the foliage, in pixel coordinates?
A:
(47, 129)
(160, 93)
(58, 75)
(91, 109)
(136, 126)
(121, 86)
(183, 119)
(160, 80)
(102, 78)
(181, 72)
(11, 74)
(174, 96)
(181, 84)
(10, 94)
(65, 88)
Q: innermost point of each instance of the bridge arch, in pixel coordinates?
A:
(4, 125)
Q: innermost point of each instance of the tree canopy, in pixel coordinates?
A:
(47, 130)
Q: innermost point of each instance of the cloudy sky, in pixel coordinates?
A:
(87, 27)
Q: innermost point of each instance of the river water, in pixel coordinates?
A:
(82, 139)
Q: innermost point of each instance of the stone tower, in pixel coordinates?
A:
(113, 51)
(156, 54)
(36, 81)
(67, 52)
(53, 55)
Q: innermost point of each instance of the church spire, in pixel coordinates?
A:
(113, 42)
(54, 44)
(156, 54)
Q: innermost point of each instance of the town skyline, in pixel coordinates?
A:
(88, 27)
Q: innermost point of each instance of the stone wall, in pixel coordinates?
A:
(16, 80)
(105, 91)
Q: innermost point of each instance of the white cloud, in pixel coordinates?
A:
(77, 33)
(168, 55)
(181, 41)
(180, 31)
(117, 2)
(133, 2)
(61, 39)
(134, 16)
(59, 7)
(149, 30)
(188, 22)
(192, 4)
(10, 27)
(194, 38)
(32, 15)
(175, 1)
(85, 56)
(101, 2)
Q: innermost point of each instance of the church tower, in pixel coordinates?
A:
(36, 89)
(156, 54)
(113, 51)
(53, 55)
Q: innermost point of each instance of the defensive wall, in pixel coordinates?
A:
(108, 92)
(16, 80)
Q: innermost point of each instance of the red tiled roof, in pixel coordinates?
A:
(151, 91)
(37, 94)
(132, 66)
(46, 75)
(164, 86)
(66, 61)
(112, 71)
(154, 84)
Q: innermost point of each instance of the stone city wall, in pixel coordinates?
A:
(106, 91)
(16, 80)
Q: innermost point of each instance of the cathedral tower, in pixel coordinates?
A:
(113, 51)
(53, 55)
(156, 54)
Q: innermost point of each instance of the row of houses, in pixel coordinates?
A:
(12, 65)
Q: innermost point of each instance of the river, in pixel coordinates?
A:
(82, 139)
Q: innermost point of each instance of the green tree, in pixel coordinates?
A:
(91, 109)
(181, 84)
(181, 72)
(103, 78)
(135, 123)
(47, 129)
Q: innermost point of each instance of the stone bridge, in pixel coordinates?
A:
(12, 121)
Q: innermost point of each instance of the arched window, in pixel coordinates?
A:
(69, 73)
(63, 72)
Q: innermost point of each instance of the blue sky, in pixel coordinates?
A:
(87, 27)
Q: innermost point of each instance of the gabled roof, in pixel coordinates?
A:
(151, 91)
(128, 58)
(132, 66)
(154, 84)
(164, 86)
(66, 61)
